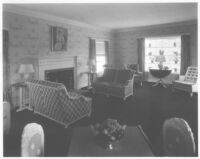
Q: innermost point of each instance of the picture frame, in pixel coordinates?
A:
(59, 38)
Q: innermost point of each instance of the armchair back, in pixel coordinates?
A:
(191, 74)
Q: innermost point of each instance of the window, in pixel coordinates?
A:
(100, 56)
(163, 53)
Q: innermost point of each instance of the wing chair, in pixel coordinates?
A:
(138, 75)
(178, 139)
(32, 142)
(188, 82)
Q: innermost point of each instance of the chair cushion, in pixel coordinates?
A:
(123, 76)
(109, 75)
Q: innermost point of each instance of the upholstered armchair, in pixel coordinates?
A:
(115, 82)
(178, 139)
(138, 75)
(52, 100)
(188, 82)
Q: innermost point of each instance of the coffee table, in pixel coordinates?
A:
(132, 144)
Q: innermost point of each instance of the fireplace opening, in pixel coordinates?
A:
(65, 76)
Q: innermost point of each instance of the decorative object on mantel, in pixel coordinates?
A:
(58, 39)
(26, 70)
(160, 59)
(108, 132)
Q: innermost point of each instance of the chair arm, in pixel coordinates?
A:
(140, 73)
(181, 77)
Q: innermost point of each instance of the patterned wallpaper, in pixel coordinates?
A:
(30, 40)
(126, 42)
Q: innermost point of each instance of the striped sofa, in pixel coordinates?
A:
(53, 101)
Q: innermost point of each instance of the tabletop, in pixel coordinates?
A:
(132, 144)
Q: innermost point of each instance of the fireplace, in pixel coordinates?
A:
(65, 76)
(63, 70)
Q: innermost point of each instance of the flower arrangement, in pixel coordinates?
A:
(108, 130)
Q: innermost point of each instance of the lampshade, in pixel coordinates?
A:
(26, 68)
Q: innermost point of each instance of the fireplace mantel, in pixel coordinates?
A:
(58, 63)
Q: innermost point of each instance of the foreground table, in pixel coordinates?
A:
(132, 144)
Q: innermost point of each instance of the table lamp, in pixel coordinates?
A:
(92, 65)
(26, 69)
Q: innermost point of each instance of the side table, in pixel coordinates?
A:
(160, 74)
(91, 77)
(23, 99)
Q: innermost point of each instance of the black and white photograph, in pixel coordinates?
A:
(103, 79)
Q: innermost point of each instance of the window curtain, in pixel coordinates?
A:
(6, 68)
(141, 54)
(92, 54)
(185, 53)
(107, 52)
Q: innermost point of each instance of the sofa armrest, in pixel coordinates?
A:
(74, 95)
(77, 96)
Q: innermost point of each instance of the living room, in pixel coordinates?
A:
(87, 29)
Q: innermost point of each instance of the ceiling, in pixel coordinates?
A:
(117, 15)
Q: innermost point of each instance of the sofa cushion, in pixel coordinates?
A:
(123, 76)
(109, 75)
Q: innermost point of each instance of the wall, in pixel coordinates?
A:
(30, 41)
(126, 40)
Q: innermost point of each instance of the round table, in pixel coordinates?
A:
(159, 74)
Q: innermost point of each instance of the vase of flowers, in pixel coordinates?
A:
(107, 132)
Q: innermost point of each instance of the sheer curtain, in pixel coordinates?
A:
(107, 51)
(92, 54)
(185, 53)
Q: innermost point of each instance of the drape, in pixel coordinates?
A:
(107, 51)
(6, 68)
(141, 55)
(185, 53)
(92, 54)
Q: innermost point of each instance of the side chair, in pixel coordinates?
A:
(188, 82)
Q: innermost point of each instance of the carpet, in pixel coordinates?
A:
(149, 107)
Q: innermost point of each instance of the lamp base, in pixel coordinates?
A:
(26, 76)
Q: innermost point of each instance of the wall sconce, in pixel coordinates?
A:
(26, 69)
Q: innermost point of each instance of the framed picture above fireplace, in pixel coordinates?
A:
(58, 39)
